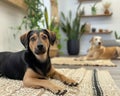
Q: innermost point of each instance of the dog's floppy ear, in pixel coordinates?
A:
(91, 39)
(52, 38)
(24, 39)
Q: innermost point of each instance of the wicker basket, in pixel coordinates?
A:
(54, 50)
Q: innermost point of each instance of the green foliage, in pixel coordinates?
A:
(71, 26)
(116, 35)
(52, 26)
(34, 16)
(46, 18)
(93, 8)
(37, 14)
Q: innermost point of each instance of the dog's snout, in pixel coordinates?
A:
(40, 46)
(40, 49)
(99, 43)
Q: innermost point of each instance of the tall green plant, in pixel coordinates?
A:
(34, 16)
(72, 25)
(52, 26)
(93, 8)
(116, 35)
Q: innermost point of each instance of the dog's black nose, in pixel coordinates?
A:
(99, 43)
(40, 46)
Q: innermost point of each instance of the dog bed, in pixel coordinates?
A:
(91, 83)
(72, 61)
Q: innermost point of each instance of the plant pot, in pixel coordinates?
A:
(73, 47)
(106, 12)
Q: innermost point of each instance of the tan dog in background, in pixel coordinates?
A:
(98, 51)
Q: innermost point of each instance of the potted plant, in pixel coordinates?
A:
(117, 37)
(34, 17)
(54, 27)
(106, 8)
(94, 9)
(73, 30)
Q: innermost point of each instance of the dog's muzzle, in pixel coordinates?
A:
(99, 43)
(40, 49)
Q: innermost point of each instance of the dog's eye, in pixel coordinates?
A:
(95, 39)
(44, 37)
(33, 39)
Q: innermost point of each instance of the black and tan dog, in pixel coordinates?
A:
(33, 65)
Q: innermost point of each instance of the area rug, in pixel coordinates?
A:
(71, 61)
(91, 83)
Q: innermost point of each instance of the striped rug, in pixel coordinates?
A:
(91, 83)
(72, 61)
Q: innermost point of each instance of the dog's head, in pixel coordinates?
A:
(38, 42)
(96, 41)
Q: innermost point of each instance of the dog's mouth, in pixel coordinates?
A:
(40, 51)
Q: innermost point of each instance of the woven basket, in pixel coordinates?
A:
(54, 50)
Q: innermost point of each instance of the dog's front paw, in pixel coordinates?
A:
(71, 82)
(79, 59)
(59, 90)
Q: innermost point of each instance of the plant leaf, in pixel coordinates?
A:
(46, 17)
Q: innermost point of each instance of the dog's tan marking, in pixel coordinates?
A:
(31, 79)
(35, 80)
(56, 75)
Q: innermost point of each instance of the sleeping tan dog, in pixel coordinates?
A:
(98, 51)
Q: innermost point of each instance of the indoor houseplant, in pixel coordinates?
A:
(54, 27)
(117, 37)
(33, 18)
(106, 6)
(71, 26)
(94, 9)
(36, 18)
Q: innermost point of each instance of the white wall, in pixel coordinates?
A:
(10, 16)
(111, 23)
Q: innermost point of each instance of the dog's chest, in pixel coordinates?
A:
(37, 66)
(43, 68)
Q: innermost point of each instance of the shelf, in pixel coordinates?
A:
(99, 33)
(88, 0)
(98, 15)
(18, 3)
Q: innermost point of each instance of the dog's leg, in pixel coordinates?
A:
(118, 51)
(79, 58)
(92, 58)
(56, 75)
(89, 56)
(31, 79)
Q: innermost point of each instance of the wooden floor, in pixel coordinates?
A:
(114, 71)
